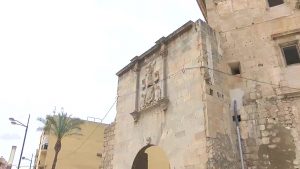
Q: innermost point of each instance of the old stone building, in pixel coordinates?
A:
(178, 97)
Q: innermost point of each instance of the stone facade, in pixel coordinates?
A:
(165, 100)
(179, 94)
(266, 89)
(177, 124)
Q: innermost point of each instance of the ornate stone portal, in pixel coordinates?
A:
(151, 83)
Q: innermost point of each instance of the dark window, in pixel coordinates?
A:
(211, 92)
(291, 54)
(235, 68)
(45, 146)
(275, 2)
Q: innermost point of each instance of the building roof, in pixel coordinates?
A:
(202, 6)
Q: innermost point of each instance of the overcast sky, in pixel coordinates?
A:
(65, 53)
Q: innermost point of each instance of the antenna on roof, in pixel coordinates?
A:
(54, 111)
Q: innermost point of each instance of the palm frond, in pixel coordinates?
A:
(61, 125)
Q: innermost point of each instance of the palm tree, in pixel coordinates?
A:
(60, 125)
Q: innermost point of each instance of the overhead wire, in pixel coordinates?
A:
(82, 143)
(182, 70)
(93, 131)
(246, 78)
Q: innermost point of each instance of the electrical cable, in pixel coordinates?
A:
(182, 70)
(93, 131)
(241, 77)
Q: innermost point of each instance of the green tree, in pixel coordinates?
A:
(60, 125)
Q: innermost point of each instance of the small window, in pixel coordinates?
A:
(235, 68)
(291, 54)
(211, 92)
(275, 2)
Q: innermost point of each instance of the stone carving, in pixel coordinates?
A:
(149, 95)
(148, 140)
(143, 100)
(151, 91)
(156, 77)
(151, 85)
(149, 74)
(135, 115)
(157, 93)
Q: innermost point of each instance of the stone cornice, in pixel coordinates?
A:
(164, 40)
(162, 104)
(202, 6)
(284, 34)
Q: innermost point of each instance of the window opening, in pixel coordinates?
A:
(291, 54)
(235, 68)
(275, 2)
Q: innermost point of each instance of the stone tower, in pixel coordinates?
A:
(260, 49)
(178, 96)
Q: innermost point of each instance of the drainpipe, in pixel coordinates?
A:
(236, 119)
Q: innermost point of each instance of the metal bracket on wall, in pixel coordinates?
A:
(238, 117)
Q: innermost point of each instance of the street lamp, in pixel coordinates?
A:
(16, 122)
(24, 158)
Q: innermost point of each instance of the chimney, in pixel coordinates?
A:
(12, 156)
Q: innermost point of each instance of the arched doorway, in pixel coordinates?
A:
(151, 157)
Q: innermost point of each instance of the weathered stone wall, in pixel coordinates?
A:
(108, 147)
(167, 100)
(191, 120)
(270, 132)
(220, 133)
(251, 33)
(176, 126)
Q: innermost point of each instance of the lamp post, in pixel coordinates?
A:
(24, 158)
(16, 122)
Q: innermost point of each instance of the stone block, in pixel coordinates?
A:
(265, 133)
(239, 4)
(262, 121)
(276, 140)
(251, 142)
(265, 140)
(262, 127)
(272, 146)
(270, 126)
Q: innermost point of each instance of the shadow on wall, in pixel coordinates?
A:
(279, 153)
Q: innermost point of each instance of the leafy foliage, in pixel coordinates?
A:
(61, 125)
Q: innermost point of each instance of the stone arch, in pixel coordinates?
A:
(151, 157)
